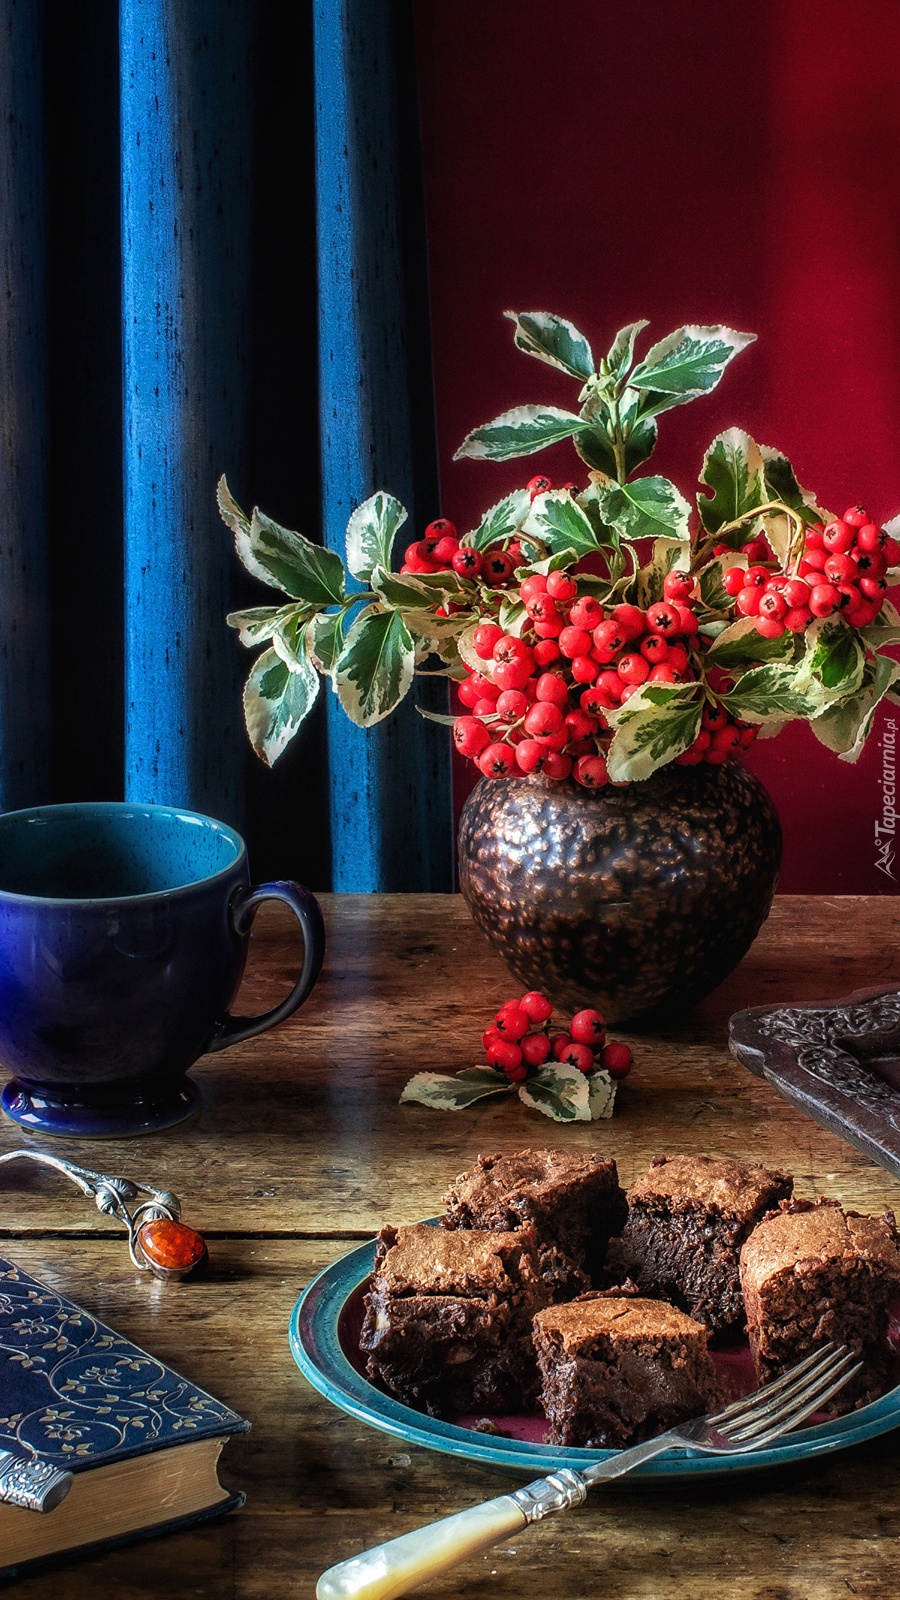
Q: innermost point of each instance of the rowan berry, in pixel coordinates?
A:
(813, 538)
(558, 766)
(714, 717)
(677, 658)
(855, 517)
(536, 1006)
(726, 738)
(486, 635)
(733, 581)
(770, 627)
(512, 704)
(798, 619)
(531, 755)
(535, 1049)
(756, 577)
(550, 629)
(580, 726)
(490, 1036)
(498, 567)
(687, 620)
(868, 563)
(466, 562)
(678, 586)
(561, 586)
(588, 1027)
(617, 1059)
(842, 568)
(516, 1074)
(558, 1043)
(796, 592)
(512, 1022)
(574, 642)
(534, 585)
(872, 588)
(813, 561)
(838, 536)
(663, 673)
(664, 619)
(585, 669)
(470, 736)
(578, 1055)
(609, 638)
(545, 652)
(538, 485)
(747, 602)
(891, 552)
(654, 648)
(505, 1055)
(756, 550)
(543, 608)
(446, 549)
(772, 605)
(590, 772)
(552, 689)
(870, 537)
(497, 761)
(594, 701)
(609, 687)
(632, 669)
(585, 613)
(631, 618)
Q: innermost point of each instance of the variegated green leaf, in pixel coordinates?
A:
(652, 728)
(501, 521)
(688, 363)
(845, 727)
(645, 508)
(276, 700)
(239, 523)
(601, 1095)
(513, 618)
(712, 589)
(554, 340)
(302, 569)
(884, 629)
(772, 691)
(834, 658)
(595, 450)
(376, 666)
(559, 522)
(259, 623)
(668, 555)
(781, 484)
(519, 432)
(446, 1093)
(621, 353)
(289, 642)
(733, 470)
(408, 592)
(559, 1091)
(742, 645)
(325, 639)
(371, 532)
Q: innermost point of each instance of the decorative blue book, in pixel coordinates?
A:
(141, 1441)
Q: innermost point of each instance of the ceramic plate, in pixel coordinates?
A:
(323, 1333)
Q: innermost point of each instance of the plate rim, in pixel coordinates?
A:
(314, 1322)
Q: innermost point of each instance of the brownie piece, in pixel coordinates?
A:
(687, 1219)
(616, 1370)
(813, 1272)
(572, 1199)
(447, 1323)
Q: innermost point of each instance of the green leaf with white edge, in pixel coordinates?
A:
(371, 532)
(589, 501)
(781, 484)
(239, 523)
(645, 508)
(686, 364)
(409, 593)
(559, 1091)
(276, 700)
(446, 719)
(559, 522)
(554, 340)
(657, 696)
(289, 642)
(742, 645)
(465, 648)
(513, 618)
(772, 691)
(641, 432)
(621, 353)
(258, 624)
(668, 555)
(501, 521)
(446, 1093)
(652, 734)
(733, 470)
(305, 570)
(325, 636)
(596, 451)
(601, 1095)
(834, 658)
(710, 580)
(519, 432)
(846, 727)
(376, 666)
(884, 629)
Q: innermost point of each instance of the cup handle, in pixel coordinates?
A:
(305, 906)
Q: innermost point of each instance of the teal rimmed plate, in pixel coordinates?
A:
(326, 1319)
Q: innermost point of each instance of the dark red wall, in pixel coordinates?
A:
(698, 163)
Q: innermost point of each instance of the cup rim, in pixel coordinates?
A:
(120, 807)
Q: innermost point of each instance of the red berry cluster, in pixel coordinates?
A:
(720, 734)
(843, 569)
(440, 551)
(540, 704)
(519, 1038)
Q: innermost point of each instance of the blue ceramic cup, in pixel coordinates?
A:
(123, 936)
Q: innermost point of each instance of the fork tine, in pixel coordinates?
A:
(805, 1397)
(814, 1405)
(749, 1402)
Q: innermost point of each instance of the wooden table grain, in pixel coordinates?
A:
(301, 1148)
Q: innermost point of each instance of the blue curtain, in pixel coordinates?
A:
(213, 254)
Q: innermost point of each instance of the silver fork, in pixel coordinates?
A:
(748, 1424)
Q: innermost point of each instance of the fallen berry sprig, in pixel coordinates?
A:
(568, 1074)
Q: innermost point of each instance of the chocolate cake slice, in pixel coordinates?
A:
(813, 1272)
(617, 1370)
(571, 1198)
(687, 1219)
(447, 1324)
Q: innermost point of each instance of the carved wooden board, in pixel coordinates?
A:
(838, 1061)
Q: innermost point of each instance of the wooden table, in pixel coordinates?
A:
(301, 1148)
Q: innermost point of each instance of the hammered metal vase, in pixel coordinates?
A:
(637, 899)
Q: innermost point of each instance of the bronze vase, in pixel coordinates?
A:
(637, 899)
